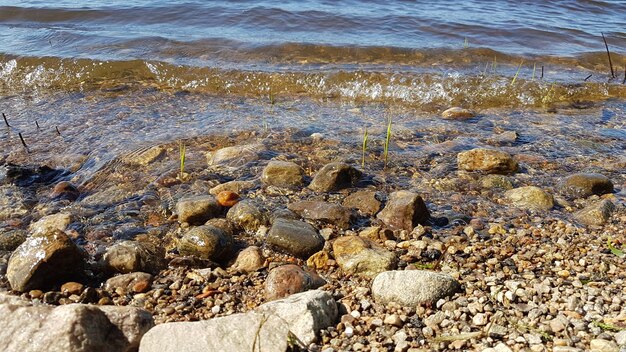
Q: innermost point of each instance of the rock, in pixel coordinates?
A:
(44, 260)
(496, 181)
(73, 327)
(197, 210)
(283, 174)
(318, 260)
(501, 347)
(248, 216)
(360, 256)
(335, 176)
(296, 237)
(323, 212)
(72, 288)
(411, 288)
(227, 198)
(144, 157)
(288, 324)
(620, 338)
(364, 201)
(530, 197)
(206, 242)
(12, 202)
(50, 223)
(583, 185)
(130, 256)
(404, 211)
(10, 240)
(600, 345)
(65, 191)
(249, 260)
(126, 283)
(457, 113)
(504, 138)
(596, 214)
(288, 279)
(487, 160)
(233, 186)
(235, 156)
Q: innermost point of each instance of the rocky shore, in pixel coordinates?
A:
(291, 241)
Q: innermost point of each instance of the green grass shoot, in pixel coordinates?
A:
(387, 140)
(364, 148)
(182, 151)
(607, 327)
(549, 95)
(517, 73)
(272, 98)
(466, 43)
(494, 65)
(534, 68)
(613, 249)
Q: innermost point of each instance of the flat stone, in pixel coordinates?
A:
(127, 282)
(233, 186)
(487, 160)
(12, 202)
(130, 256)
(44, 260)
(496, 181)
(206, 242)
(323, 212)
(50, 223)
(248, 216)
(249, 260)
(597, 213)
(364, 201)
(197, 210)
(144, 157)
(404, 210)
(335, 176)
(600, 345)
(236, 156)
(530, 197)
(288, 279)
(620, 338)
(73, 327)
(457, 113)
(411, 288)
(360, 256)
(295, 237)
(583, 185)
(283, 174)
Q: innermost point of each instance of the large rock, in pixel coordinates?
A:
(586, 184)
(236, 156)
(130, 256)
(44, 260)
(597, 213)
(324, 212)
(296, 237)
(365, 201)
(283, 174)
(198, 209)
(280, 325)
(50, 223)
(73, 327)
(360, 256)
(335, 176)
(248, 216)
(404, 211)
(288, 279)
(487, 160)
(206, 242)
(411, 288)
(530, 197)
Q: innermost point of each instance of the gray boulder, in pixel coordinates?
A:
(283, 174)
(295, 237)
(411, 288)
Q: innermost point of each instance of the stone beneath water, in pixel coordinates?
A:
(583, 185)
(597, 213)
(73, 327)
(496, 181)
(288, 279)
(283, 174)
(248, 216)
(404, 211)
(411, 288)
(287, 324)
(360, 256)
(296, 237)
(235, 156)
(335, 176)
(65, 190)
(130, 256)
(12, 202)
(197, 210)
(11, 239)
(365, 201)
(232, 186)
(50, 223)
(144, 157)
(487, 160)
(324, 212)
(206, 242)
(530, 197)
(44, 260)
(457, 113)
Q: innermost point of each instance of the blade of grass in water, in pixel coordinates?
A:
(364, 147)
(387, 140)
(517, 73)
(182, 159)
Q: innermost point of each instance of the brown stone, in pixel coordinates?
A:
(404, 211)
(364, 201)
(288, 279)
(227, 198)
(65, 190)
(72, 288)
(487, 160)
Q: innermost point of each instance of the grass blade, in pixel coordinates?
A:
(387, 140)
(364, 148)
(182, 151)
(613, 249)
(517, 73)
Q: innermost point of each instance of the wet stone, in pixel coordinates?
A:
(360, 256)
(130, 256)
(51, 222)
(236, 156)
(144, 157)
(404, 210)
(295, 237)
(249, 260)
(583, 185)
(457, 113)
(11, 239)
(248, 216)
(288, 279)
(530, 197)
(72, 288)
(127, 283)
(487, 160)
(227, 198)
(206, 242)
(12, 202)
(324, 212)
(197, 210)
(65, 191)
(283, 174)
(364, 201)
(411, 288)
(597, 213)
(494, 181)
(233, 186)
(335, 176)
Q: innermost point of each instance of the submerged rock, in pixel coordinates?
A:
(411, 288)
(487, 160)
(232, 186)
(283, 174)
(288, 279)
(457, 113)
(248, 216)
(144, 157)
(11, 239)
(44, 260)
(197, 210)
(51, 222)
(597, 213)
(496, 181)
(235, 156)
(65, 190)
(404, 211)
(323, 212)
(360, 256)
(73, 327)
(583, 185)
(296, 237)
(365, 201)
(130, 256)
(530, 197)
(206, 242)
(12, 202)
(335, 176)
